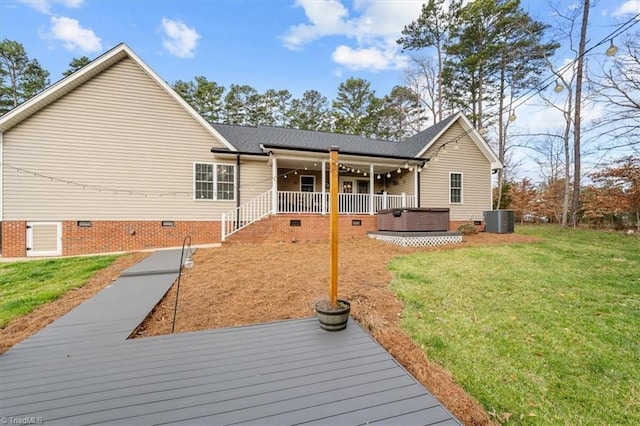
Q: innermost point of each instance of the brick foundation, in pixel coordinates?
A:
(312, 228)
(316, 227)
(113, 236)
(14, 239)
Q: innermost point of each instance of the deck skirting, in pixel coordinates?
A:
(417, 239)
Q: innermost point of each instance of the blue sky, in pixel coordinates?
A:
(280, 44)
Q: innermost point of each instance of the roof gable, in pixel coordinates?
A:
(86, 73)
(437, 130)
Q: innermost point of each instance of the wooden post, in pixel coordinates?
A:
(333, 219)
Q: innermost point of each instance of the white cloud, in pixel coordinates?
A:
(374, 26)
(73, 36)
(372, 58)
(44, 6)
(629, 7)
(326, 18)
(180, 40)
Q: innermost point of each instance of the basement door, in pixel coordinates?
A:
(44, 238)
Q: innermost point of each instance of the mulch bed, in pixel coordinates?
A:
(242, 284)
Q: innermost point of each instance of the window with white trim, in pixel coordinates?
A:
(214, 181)
(455, 188)
(307, 183)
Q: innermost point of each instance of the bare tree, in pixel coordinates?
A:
(617, 86)
(577, 121)
(422, 78)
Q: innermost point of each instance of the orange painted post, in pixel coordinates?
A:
(333, 219)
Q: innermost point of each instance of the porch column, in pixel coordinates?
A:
(372, 184)
(274, 187)
(324, 186)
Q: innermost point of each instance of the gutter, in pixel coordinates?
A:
(226, 151)
(360, 154)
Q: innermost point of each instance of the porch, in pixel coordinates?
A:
(310, 204)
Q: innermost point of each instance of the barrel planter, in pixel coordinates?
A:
(333, 318)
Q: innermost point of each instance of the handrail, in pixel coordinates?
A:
(246, 214)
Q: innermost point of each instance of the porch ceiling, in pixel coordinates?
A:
(380, 165)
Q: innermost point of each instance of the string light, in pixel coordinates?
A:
(97, 188)
(612, 50)
(559, 87)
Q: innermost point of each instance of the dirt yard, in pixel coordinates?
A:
(253, 283)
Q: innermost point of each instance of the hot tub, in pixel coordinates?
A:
(414, 219)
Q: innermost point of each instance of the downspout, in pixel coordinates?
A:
(417, 184)
(372, 189)
(418, 174)
(237, 180)
(274, 184)
(1, 180)
(324, 186)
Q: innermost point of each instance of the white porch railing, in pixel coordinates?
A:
(302, 202)
(385, 201)
(246, 214)
(317, 202)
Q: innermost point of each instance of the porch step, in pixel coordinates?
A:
(257, 232)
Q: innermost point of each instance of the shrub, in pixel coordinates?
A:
(468, 229)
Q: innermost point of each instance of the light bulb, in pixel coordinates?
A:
(188, 263)
(559, 87)
(388, 174)
(612, 50)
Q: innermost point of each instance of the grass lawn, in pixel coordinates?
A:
(545, 333)
(26, 285)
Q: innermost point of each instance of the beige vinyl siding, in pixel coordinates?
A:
(255, 178)
(125, 145)
(403, 182)
(476, 175)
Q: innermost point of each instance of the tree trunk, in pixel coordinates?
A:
(438, 117)
(575, 204)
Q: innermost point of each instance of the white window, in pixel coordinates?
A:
(214, 181)
(307, 183)
(455, 188)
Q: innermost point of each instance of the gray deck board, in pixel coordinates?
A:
(82, 369)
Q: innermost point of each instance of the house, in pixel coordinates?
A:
(111, 159)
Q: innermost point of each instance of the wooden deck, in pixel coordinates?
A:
(82, 370)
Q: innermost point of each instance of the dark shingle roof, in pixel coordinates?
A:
(249, 138)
